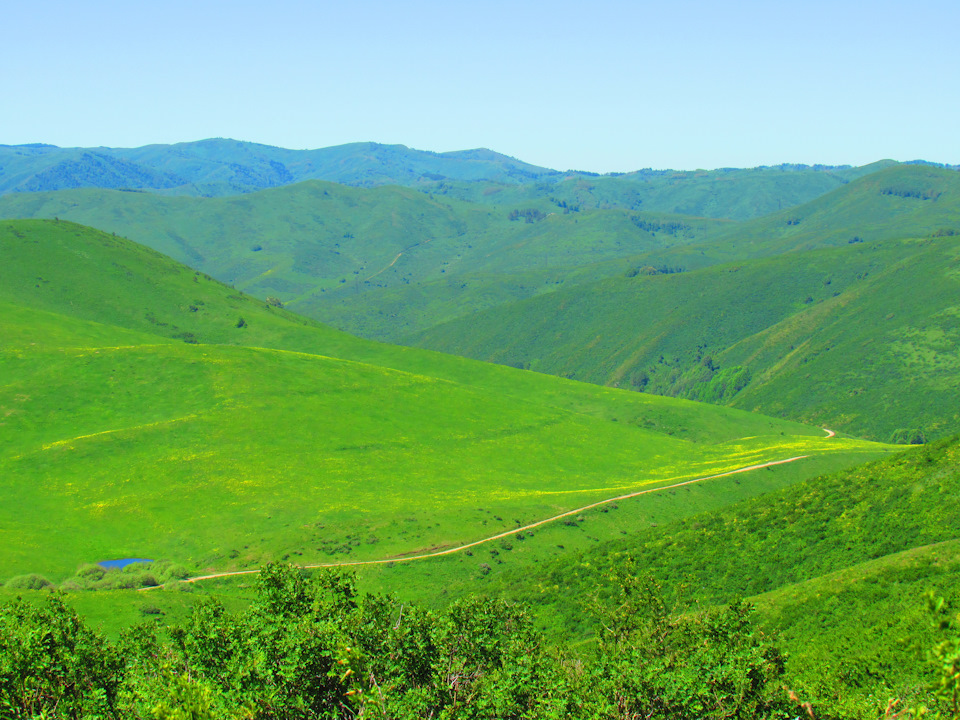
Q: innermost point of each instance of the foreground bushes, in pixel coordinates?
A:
(314, 648)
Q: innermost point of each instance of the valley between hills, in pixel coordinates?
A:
(589, 409)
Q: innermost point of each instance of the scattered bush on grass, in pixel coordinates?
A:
(27, 582)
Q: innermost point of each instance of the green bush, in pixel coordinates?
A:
(314, 647)
(904, 436)
(28, 582)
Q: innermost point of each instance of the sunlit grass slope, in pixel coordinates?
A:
(127, 441)
(838, 566)
(68, 269)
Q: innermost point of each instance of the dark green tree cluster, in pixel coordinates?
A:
(315, 648)
(655, 226)
(530, 215)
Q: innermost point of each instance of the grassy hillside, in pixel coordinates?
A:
(860, 336)
(838, 564)
(733, 193)
(864, 633)
(375, 262)
(82, 273)
(895, 202)
(133, 430)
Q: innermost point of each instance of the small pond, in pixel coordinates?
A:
(121, 563)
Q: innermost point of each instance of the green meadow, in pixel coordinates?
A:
(125, 443)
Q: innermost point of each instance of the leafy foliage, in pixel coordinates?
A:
(656, 663)
(53, 665)
(316, 648)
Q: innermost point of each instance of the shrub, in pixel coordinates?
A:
(91, 573)
(908, 436)
(176, 572)
(28, 582)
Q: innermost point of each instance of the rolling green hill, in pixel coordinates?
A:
(388, 262)
(143, 418)
(732, 193)
(838, 566)
(861, 338)
(899, 201)
(218, 167)
(858, 335)
(383, 262)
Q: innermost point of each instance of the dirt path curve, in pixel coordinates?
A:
(513, 531)
(830, 433)
(387, 267)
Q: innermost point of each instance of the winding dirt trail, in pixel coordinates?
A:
(830, 433)
(512, 531)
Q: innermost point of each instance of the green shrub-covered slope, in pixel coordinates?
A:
(149, 411)
(862, 337)
(838, 565)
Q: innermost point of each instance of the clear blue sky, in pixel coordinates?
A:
(602, 85)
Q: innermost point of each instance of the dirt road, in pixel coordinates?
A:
(512, 531)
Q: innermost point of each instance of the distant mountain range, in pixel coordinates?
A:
(220, 166)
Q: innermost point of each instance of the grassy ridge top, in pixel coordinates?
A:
(125, 442)
(228, 167)
(732, 193)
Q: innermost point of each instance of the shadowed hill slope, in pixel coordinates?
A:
(860, 335)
